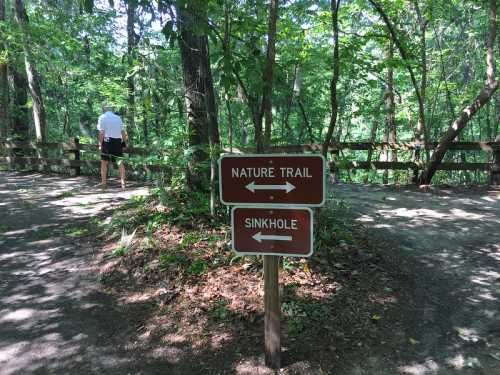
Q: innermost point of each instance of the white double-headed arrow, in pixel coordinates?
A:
(252, 187)
(259, 237)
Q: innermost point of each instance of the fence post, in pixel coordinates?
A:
(334, 170)
(495, 167)
(76, 154)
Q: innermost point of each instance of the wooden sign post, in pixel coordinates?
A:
(273, 193)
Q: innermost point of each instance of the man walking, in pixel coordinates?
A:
(112, 137)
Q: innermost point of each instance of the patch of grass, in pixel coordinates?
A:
(198, 267)
(220, 311)
(95, 222)
(76, 231)
(65, 194)
(290, 264)
(333, 227)
(166, 259)
(43, 234)
(190, 239)
(299, 313)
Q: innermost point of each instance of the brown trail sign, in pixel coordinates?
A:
(272, 231)
(257, 180)
(274, 191)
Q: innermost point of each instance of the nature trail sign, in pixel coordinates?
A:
(258, 180)
(274, 219)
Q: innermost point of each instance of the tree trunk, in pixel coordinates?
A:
(267, 82)
(20, 99)
(384, 155)
(295, 89)
(334, 7)
(4, 85)
(390, 105)
(131, 44)
(32, 74)
(190, 16)
(307, 124)
(212, 112)
(230, 124)
(421, 130)
(145, 126)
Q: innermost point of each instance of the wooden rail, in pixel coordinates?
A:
(71, 152)
(74, 150)
(382, 146)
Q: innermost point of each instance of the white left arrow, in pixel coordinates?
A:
(287, 186)
(259, 237)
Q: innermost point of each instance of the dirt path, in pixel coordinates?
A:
(449, 246)
(53, 317)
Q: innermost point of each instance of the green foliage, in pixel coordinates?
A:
(221, 310)
(81, 54)
(198, 267)
(299, 313)
(167, 259)
(76, 231)
(65, 194)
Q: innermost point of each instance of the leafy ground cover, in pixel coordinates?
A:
(173, 258)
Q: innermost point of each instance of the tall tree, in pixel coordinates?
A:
(20, 121)
(267, 82)
(4, 86)
(469, 111)
(334, 105)
(131, 45)
(192, 24)
(390, 105)
(420, 131)
(32, 74)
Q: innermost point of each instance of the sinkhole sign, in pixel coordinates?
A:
(273, 230)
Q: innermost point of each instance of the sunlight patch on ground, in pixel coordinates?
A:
(468, 334)
(173, 355)
(252, 366)
(25, 314)
(365, 219)
(427, 368)
(459, 362)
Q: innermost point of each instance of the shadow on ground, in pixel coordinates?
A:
(426, 303)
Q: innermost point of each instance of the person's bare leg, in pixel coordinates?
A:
(104, 172)
(122, 175)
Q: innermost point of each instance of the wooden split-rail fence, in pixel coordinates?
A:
(13, 154)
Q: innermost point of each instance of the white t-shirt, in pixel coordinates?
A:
(111, 124)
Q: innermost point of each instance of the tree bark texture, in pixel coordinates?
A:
(32, 74)
(267, 82)
(420, 134)
(4, 85)
(20, 99)
(211, 104)
(390, 104)
(193, 52)
(131, 44)
(334, 105)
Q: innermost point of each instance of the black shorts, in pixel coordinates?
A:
(111, 148)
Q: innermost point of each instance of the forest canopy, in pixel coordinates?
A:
(198, 77)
